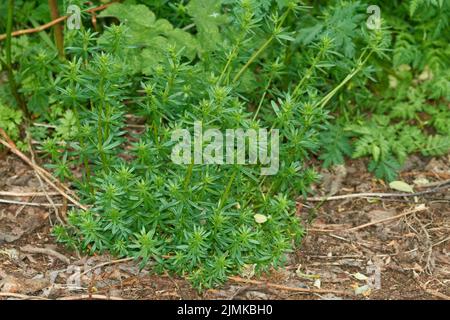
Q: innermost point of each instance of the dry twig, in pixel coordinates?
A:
(90, 297)
(31, 204)
(440, 186)
(286, 288)
(27, 194)
(52, 181)
(106, 264)
(50, 252)
(417, 209)
(52, 23)
(21, 296)
(49, 199)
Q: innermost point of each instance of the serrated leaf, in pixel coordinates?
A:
(207, 18)
(152, 35)
(401, 186)
(307, 35)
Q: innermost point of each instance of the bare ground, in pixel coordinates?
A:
(347, 253)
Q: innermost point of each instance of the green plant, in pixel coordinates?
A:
(335, 145)
(409, 105)
(8, 63)
(312, 70)
(201, 221)
(10, 119)
(411, 124)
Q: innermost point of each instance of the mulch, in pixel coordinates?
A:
(405, 256)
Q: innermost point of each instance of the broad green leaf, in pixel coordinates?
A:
(134, 15)
(150, 35)
(207, 18)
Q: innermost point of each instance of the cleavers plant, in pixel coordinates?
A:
(236, 64)
(194, 220)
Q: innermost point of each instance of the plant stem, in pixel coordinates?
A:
(58, 30)
(263, 97)
(253, 57)
(230, 58)
(100, 136)
(307, 75)
(361, 63)
(263, 47)
(83, 147)
(8, 64)
(187, 179)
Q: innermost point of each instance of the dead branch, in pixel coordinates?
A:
(50, 252)
(437, 294)
(57, 28)
(31, 204)
(27, 194)
(52, 181)
(106, 264)
(11, 145)
(90, 297)
(286, 288)
(49, 199)
(440, 186)
(21, 296)
(52, 23)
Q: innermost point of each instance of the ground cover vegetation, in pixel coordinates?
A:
(336, 81)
